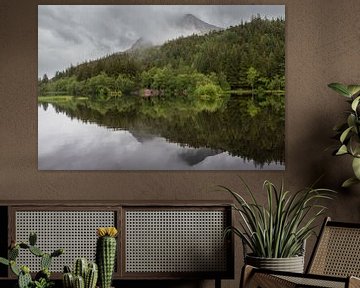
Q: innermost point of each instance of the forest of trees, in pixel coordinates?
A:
(250, 56)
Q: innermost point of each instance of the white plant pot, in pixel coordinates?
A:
(291, 264)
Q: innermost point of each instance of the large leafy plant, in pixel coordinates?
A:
(279, 229)
(349, 132)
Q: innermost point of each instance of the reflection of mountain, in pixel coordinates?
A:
(195, 156)
(259, 138)
(140, 135)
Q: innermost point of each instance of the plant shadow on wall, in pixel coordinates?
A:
(276, 232)
(348, 133)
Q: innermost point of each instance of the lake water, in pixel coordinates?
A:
(93, 136)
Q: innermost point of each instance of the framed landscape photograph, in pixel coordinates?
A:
(161, 87)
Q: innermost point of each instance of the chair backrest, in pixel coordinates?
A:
(337, 251)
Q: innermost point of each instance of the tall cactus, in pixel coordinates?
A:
(106, 254)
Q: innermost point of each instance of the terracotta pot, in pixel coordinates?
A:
(291, 264)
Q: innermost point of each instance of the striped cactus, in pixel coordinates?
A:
(84, 276)
(79, 282)
(81, 265)
(68, 280)
(91, 276)
(106, 254)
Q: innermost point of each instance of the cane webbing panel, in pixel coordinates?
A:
(338, 252)
(75, 231)
(175, 241)
(313, 282)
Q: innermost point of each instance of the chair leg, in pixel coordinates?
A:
(250, 278)
(246, 274)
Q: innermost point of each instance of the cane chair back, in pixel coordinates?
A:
(337, 252)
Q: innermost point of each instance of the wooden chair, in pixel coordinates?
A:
(335, 262)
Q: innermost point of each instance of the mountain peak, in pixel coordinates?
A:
(191, 22)
(140, 43)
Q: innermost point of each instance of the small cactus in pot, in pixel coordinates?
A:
(106, 254)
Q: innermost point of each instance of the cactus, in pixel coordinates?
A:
(80, 267)
(13, 253)
(23, 273)
(36, 251)
(24, 280)
(14, 268)
(88, 273)
(79, 282)
(32, 238)
(45, 261)
(105, 254)
(68, 280)
(91, 276)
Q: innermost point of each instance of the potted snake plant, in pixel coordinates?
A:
(274, 234)
(348, 133)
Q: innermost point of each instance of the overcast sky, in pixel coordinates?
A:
(71, 34)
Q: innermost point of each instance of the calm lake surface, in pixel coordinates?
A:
(133, 135)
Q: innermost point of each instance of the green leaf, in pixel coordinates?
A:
(349, 182)
(355, 103)
(342, 150)
(340, 88)
(345, 134)
(4, 261)
(351, 120)
(353, 89)
(356, 167)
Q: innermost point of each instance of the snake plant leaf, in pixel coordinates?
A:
(355, 103)
(349, 182)
(353, 89)
(356, 167)
(345, 134)
(340, 88)
(342, 150)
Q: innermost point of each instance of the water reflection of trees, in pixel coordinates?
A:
(232, 127)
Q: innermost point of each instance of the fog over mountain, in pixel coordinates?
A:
(71, 34)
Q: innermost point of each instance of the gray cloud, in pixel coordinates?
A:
(71, 34)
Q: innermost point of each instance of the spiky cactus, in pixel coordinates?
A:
(106, 254)
(91, 276)
(23, 273)
(80, 267)
(79, 282)
(87, 272)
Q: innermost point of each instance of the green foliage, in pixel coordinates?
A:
(279, 229)
(43, 283)
(349, 132)
(246, 56)
(42, 278)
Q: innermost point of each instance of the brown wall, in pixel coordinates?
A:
(322, 46)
